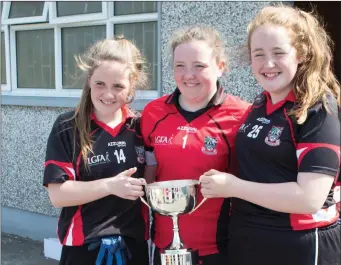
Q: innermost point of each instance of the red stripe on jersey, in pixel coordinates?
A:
(74, 235)
(322, 218)
(67, 167)
(78, 235)
(270, 108)
(132, 130)
(303, 148)
(169, 99)
(337, 194)
(78, 164)
(126, 113)
(145, 216)
(290, 127)
(256, 107)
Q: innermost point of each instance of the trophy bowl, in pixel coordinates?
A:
(172, 198)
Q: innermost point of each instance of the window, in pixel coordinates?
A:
(3, 59)
(75, 40)
(26, 9)
(67, 11)
(136, 7)
(40, 39)
(144, 35)
(35, 59)
(19, 12)
(77, 8)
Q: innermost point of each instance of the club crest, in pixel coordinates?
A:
(273, 136)
(210, 144)
(140, 154)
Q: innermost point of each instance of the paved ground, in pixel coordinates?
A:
(22, 251)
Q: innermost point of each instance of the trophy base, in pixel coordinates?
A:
(179, 257)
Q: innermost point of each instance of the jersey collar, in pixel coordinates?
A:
(270, 108)
(126, 114)
(216, 100)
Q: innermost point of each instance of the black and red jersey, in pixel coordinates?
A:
(114, 150)
(273, 148)
(185, 146)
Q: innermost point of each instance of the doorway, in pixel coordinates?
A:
(331, 14)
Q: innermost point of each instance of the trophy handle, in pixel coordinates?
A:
(144, 201)
(203, 200)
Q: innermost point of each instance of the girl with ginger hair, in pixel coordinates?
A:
(288, 148)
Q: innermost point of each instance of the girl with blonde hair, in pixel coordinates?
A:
(191, 131)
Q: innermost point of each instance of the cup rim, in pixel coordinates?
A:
(173, 183)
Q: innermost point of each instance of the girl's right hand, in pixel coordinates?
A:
(124, 186)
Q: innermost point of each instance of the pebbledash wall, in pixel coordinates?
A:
(26, 120)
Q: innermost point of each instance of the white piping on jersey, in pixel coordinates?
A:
(299, 152)
(72, 172)
(69, 236)
(316, 246)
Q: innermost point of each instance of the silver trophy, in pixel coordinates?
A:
(174, 198)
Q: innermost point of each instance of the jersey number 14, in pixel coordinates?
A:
(120, 156)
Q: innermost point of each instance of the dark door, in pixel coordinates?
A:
(331, 13)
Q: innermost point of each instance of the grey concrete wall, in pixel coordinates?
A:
(25, 129)
(23, 141)
(230, 19)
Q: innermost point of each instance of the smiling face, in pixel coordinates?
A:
(110, 86)
(196, 72)
(274, 60)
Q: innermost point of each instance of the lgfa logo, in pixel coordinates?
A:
(98, 159)
(164, 140)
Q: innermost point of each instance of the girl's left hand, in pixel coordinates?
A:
(216, 184)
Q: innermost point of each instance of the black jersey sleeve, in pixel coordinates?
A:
(58, 166)
(140, 148)
(318, 143)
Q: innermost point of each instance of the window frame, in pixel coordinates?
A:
(5, 20)
(7, 86)
(59, 62)
(29, 91)
(12, 94)
(138, 18)
(54, 19)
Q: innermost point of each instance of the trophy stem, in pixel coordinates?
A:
(176, 243)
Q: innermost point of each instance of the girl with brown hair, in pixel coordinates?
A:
(95, 161)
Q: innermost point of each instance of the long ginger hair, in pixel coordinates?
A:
(314, 79)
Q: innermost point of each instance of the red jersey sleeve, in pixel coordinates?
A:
(147, 124)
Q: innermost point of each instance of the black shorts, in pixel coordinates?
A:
(82, 256)
(319, 246)
(214, 259)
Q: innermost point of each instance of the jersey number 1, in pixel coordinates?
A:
(120, 156)
(184, 141)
